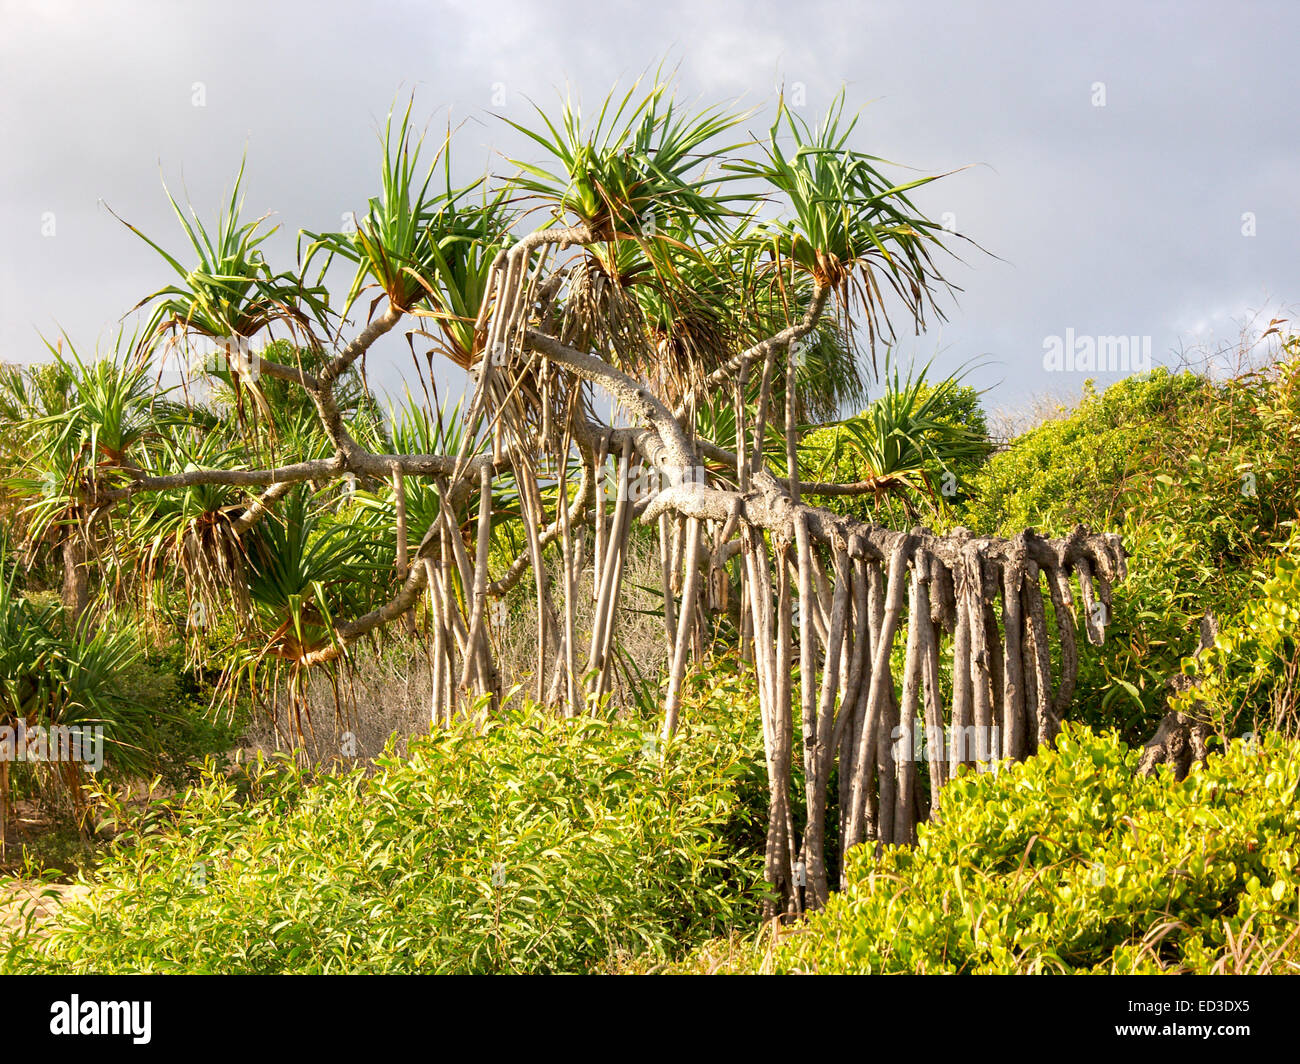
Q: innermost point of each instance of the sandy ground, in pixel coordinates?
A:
(13, 898)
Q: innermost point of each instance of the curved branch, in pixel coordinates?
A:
(675, 454)
(361, 462)
(761, 349)
(261, 506)
(339, 364)
(245, 478)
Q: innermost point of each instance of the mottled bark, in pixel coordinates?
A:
(1182, 738)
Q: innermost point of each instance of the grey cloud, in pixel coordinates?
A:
(1122, 219)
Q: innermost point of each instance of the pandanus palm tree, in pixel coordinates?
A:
(88, 444)
(714, 292)
(901, 442)
(683, 277)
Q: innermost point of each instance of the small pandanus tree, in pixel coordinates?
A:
(62, 709)
(89, 443)
(899, 442)
(647, 355)
(303, 573)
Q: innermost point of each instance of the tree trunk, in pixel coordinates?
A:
(1179, 742)
(1181, 739)
(76, 577)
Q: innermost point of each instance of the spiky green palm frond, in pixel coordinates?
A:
(232, 292)
(635, 171)
(844, 223)
(899, 438)
(427, 246)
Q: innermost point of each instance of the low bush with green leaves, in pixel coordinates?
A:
(1202, 480)
(1075, 468)
(1067, 863)
(535, 845)
(1250, 677)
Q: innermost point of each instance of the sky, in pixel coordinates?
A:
(1132, 169)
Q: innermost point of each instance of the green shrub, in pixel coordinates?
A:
(1251, 675)
(539, 845)
(62, 704)
(184, 726)
(1068, 863)
(1074, 469)
(1200, 478)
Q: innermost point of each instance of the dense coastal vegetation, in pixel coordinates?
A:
(382, 689)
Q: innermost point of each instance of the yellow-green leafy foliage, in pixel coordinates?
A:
(1066, 863)
(534, 845)
(1200, 477)
(1249, 676)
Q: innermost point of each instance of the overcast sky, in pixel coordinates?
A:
(1120, 153)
